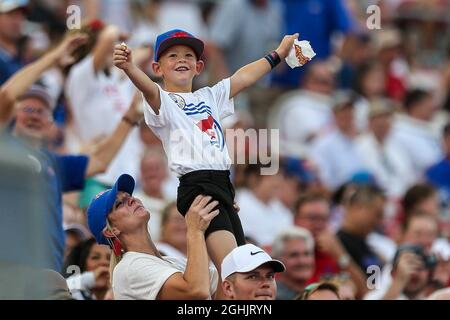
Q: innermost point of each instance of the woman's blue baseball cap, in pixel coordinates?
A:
(177, 37)
(102, 205)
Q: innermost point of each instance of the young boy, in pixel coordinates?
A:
(188, 124)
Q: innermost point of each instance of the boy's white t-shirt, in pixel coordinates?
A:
(140, 276)
(188, 125)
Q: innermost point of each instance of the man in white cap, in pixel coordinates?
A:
(248, 273)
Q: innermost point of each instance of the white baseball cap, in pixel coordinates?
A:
(247, 258)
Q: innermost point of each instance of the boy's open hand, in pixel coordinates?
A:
(286, 45)
(122, 56)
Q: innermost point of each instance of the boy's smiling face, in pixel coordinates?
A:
(178, 66)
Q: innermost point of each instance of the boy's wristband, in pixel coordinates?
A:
(273, 58)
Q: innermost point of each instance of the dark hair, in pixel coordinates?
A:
(413, 97)
(362, 194)
(362, 72)
(309, 290)
(308, 197)
(416, 194)
(446, 130)
(78, 256)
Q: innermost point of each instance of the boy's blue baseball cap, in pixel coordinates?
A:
(102, 205)
(177, 37)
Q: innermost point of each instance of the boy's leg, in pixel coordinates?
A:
(219, 243)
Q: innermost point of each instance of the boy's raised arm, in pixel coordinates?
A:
(252, 72)
(123, 60)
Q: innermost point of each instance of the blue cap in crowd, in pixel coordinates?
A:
(102, 205)
(177, 37)
(295, 167)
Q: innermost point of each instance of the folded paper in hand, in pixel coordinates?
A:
(301, 52)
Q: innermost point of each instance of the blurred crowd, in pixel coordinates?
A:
(360, 205)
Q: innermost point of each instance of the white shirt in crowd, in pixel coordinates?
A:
(140, 276)
(417, 140)
(392, 170)
(382, 245)
(337, 159)
(188, 125)
(80, 285)
(361, 114)
(169, 250)
(155, 206)
(262, 221)
(300, 117)
(98, 102)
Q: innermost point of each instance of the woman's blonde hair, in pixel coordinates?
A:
(115, 259)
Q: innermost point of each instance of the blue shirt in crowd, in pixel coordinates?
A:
(8, 65)
(439, 175)
(316, 21)
(62, 173)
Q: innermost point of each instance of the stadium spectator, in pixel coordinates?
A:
(411, 274)
(98, 95)
(93, 263)
(412, 131)
(320, 291)
(153, 174)
(364, 213)
(335, 153)
(312, 212)
(294, 246)
(261, 214)
(248, 273)
(173, 241)
(12, 20)
(369, 85)
(391, 169)
(61, 172)
(74, 233)
(138, 270)
(304, 114)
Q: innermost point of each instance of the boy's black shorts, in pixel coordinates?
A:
(217, 184)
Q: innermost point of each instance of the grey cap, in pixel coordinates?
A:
(40, 92)
(342, 99)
